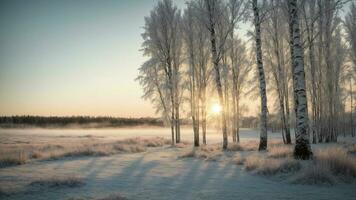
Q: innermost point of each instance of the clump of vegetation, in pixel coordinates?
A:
(235, 147)
(315, 175)
(88, 151)
(328, 166)
(12, 158)
(129, 148)
(280, 151)
(156, 142)
(57, 151)
(249, 145)
(136, 145)
(58, 182)
(253, 162)
(337, 161)
(36, 155)
(271, 166)
(206, 152)
(51, 147)
(274, 166)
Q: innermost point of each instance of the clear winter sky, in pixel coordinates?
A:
(64, 57)
(73, 57)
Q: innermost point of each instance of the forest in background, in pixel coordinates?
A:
(76, 122)
(27, 121)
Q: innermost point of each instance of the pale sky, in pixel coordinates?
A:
(72, 57)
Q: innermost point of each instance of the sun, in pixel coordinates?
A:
(216, 108)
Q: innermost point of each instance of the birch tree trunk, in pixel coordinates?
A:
(351, 109)
(302, 148)
(235, 96)
(203, 77)
(203, 112)
(320, 74)
(211, 8)
(262, 80)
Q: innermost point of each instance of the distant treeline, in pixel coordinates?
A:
(27, 121)
(76, 121)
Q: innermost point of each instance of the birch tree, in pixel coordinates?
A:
(302, 148)
(163, 42)
(309, 17)
(191, 39)
(262, 79)
(213, 16)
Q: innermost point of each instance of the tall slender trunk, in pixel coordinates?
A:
(203, 112)
(310, 34)
(351, 109)
(202, 84)
(262, 81)
(176, 103)
(171, 89)
(238, 116)
(313, 83)
(172, 120)
(302, 148)
(215, 60)
(283, 117)
(177, 125)
(286, 100)
(321, 116)
(234, 106)
(286, 103)
(235, 93)
(194, 108)
(226, 103)
(233, 127)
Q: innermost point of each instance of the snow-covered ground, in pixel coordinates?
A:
(155, 174)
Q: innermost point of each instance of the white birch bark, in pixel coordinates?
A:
(302, 148)
(262, 79)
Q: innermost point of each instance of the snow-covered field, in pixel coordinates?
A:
(157, 173)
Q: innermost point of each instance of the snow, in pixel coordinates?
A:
(156, 174)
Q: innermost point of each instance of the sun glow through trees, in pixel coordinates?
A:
(216, 108)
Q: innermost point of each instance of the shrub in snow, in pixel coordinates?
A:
(270, 166)
(59, 182)
(337, 161)
(280, 151)
(12, 158)
(315, 175)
